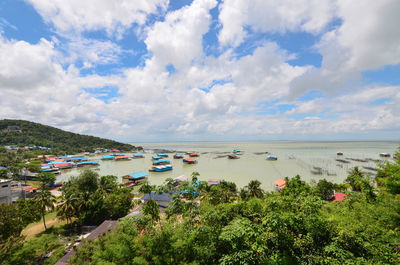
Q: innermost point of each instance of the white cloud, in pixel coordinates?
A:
(272, 16)
(83, 15)
(367, 39)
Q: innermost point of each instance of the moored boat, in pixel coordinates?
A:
(157, 157)
(64, 165)
(384, 155)
(87, 163)
(178, 155)
(161, 168)
(138, 156)
(339, 153)
(135, 178)
(107, 157)
(161, 162)
(163, 155)
(236, 150)
(272, 158)
(233, 156)
(122, 158)
(193, 154)
(189, 161)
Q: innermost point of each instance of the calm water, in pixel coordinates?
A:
(293, 158)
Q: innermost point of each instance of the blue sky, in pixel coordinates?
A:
(203, 69)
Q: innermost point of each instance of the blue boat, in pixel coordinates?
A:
(236, 151)
(163, 155)
(108, 157)
(161, 162)
(179, 155)
(136, 176)
(87, 163)
(272, 158)
(156, 157)
(138, 156)
(161, 168)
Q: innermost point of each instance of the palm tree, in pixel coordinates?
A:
(254, 189)
(67, 208)
(46, 200)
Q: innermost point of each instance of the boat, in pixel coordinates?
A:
(178, 155)
(163, 155)
(161, 162)
(122, 158)
(233, 156)
(64, 165)
(109, 157)
(87, 163)
(138, 156)
(272, 158)
(189, 161)
(236, 151)
(193, 154)
(339, 153)
(157, 157)
(161, 168)
(136, 177)
(384, 155)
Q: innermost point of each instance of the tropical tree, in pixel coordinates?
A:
(67, 208)
(151, 208)
(324, 189)
(254, 189)
(46, 201)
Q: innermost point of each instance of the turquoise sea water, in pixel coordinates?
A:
(293, 158)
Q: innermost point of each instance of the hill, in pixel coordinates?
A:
(26, 133)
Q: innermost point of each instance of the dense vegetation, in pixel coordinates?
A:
(297, 226)
(35, 134)
(87, 200)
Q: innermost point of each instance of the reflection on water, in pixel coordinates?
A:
(311, 160)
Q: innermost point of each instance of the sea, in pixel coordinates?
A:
(313, 161)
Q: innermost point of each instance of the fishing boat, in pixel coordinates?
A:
(87, 163)
(161, 168)
(339, 153)
(178, 155)
(233, 156)
(236, 150)
(384, 155)
(272, 158)
(138, 156)
(64, 165)
(193, 154)
(157, 157)
(108, 157)
(161, 162)
(189, 161)
(122, 158)
(163, 155)
(136, 177)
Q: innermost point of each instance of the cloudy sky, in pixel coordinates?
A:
(160, 70)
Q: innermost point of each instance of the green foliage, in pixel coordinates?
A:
(47, 136)
(324, 189)
(252, 190)
(16, 216)
(92, 199)
(152, 209)
(295, 187)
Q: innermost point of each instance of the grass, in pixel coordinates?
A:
(36, 228)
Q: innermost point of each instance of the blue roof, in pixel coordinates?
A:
(236, 150)
(138, 155)
(88, 162)
(108, 157)
(161, 161)
(165, 197)
(3, 168)
(157, 157)
(138, 175)
(162, 154)
(180, 154)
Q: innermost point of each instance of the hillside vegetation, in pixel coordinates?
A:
(42, 135)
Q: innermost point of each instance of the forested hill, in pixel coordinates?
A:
(37, 134)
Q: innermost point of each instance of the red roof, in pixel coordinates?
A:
(338, 197)
(121, 157)
(280, 183)
(62, 165)
(189, 159)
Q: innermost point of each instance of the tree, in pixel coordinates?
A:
(355, 179)
(254, 189)
(67, 208)
(295, 187)
(324, 189)
(151, 208)
(46, 200)
(108, 183)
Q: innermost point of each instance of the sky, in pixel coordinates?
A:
(204, 70)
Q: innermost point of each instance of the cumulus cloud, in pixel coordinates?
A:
(275, 16)
(113, 16)
(367, 39)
